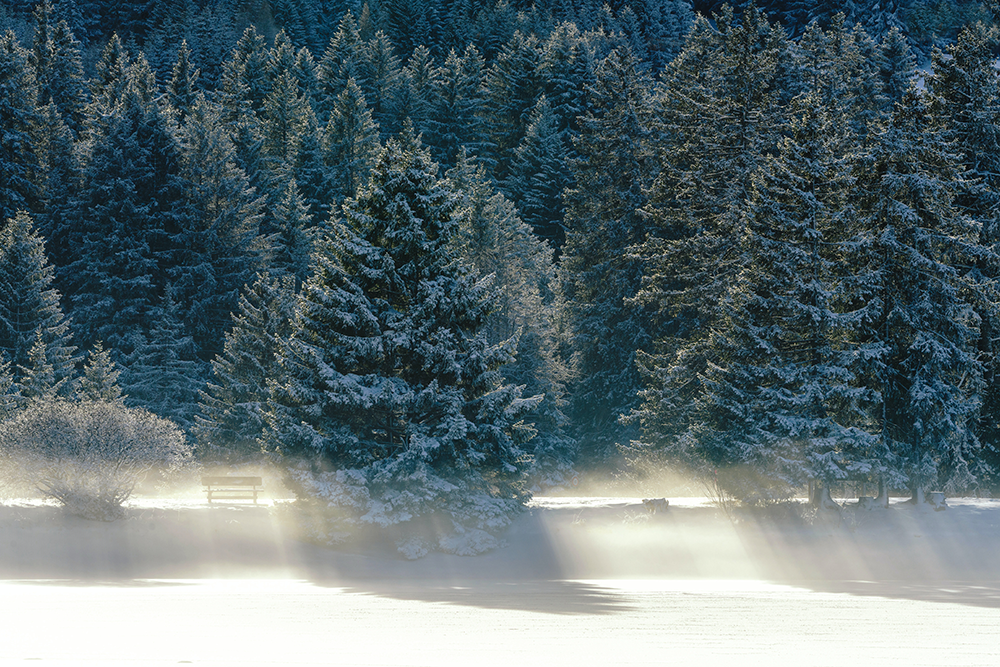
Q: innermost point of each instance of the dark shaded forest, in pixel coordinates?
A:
(423, 252)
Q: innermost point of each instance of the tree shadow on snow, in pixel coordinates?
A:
(546, 597)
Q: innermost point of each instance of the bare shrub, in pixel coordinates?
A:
(89, 455)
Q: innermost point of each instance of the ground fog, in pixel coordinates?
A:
(580, 581)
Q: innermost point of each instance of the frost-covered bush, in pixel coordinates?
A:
(89, 455)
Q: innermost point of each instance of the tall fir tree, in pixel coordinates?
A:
(163, 373)
(233, 405)
(495, 241)
(99, 381)
(458, 117)
(350, 142)
(219, 247)
(17, 115)
(387, 371)
(30, 310)
(342, 61)
(511, 88)
(293, 240)
(911, 251)
(966, 91)
(539, 173)
(58, 65)
(129, 205)
(598, 272)
(182, 87)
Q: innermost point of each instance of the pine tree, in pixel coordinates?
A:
(283, 123)
(10, 399)
(56, 60)
(38, 379)
(162, 372)
(342, 61)
(17, 114)
(110, 77)
(56, 177)
(539, 173)
(458, 114)
(244, 81)
(219, 247)
(598, 272)
(182, 88)
(310, 172)
(966, 102)
(380, 79)
(511, 87)
(30, 313)
(123, 217)
(911, 251)
(718, 118)
(898, 66)
(495, 241)
(564, 70)
(100, 378)
(234, 403)
(351, 143)
(419, 83)
(387, 375)
(780, 402)
(293, 242)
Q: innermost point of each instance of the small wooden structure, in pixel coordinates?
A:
(226, 487)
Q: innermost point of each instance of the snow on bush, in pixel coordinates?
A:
(89, 455)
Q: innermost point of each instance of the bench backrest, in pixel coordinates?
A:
(224, 480)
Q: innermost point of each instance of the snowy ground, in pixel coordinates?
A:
(594, 581)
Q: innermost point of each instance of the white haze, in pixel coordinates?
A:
(582, 581)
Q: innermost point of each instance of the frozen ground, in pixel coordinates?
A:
(593, 581)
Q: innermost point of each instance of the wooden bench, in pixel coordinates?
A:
(224, 487)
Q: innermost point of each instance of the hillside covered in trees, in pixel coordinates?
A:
(428, 252)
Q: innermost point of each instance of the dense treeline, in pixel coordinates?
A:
(429, 248)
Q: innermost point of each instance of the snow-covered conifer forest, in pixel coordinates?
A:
(432, 256)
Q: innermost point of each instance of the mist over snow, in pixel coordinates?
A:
(580, 581)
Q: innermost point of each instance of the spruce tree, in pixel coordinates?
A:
(342, 61)
(539, 173)
(109, 81)
(913, 247)
(58, 65)
(418, 87)
(351, 143)
(718, 117)
(29, 304)
(10, 399)
(234, 403)
(182, 88)
(283, 123)
(387, 377)
(458, 114)
(163, 373)
(219, 247)
(17, 115)
(966, 92)
(380, 80)
(511, 88)
(494, 240)
(99, 381)
(293, 241)
(129, 204)
(598, 272)
(38, 379)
